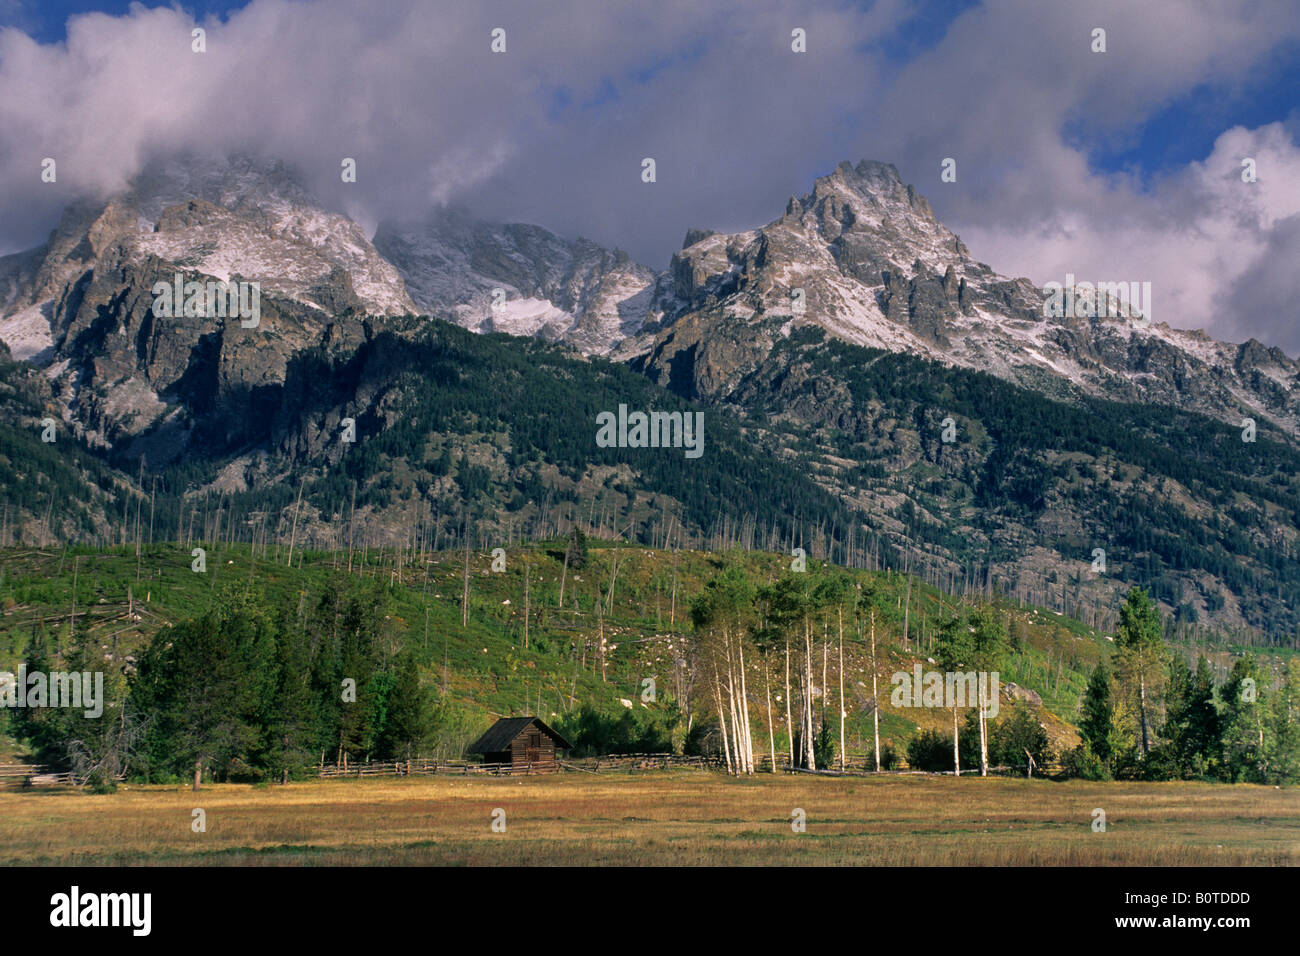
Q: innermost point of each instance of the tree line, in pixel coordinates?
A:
(244, 692)
(1148, 715)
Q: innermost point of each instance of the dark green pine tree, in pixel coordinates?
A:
(1244, 736)
(1200, 747)
(40, 726)
(212, 681)
(357, 666)
(1097, 715)
(576, 552)
(409, 712)
(291, 730)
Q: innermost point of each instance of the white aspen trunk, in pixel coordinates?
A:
(1142, 710)
(826, 693)
(843, 763)
(744, 706)
(771, 731)
(984, 740)
(875, 714)
(956, 755)
(808, 709)
(737, 743)
(722, 717)
(789, 716)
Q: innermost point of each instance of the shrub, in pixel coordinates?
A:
(929, 750)
(1081, 762)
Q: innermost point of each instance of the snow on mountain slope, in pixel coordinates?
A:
(571, 291)
(861, 257)
(83, 302)
(219, 218)
(864, 258)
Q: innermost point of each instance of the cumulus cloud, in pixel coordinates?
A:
(1016, 94)
(554, 130)
(412, 91)
(1212, 246)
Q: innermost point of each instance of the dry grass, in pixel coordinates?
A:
(682, 817)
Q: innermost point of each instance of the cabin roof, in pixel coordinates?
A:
(500, 734)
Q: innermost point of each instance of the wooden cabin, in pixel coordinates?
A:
(523, 742)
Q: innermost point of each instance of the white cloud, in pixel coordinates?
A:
(554, 130)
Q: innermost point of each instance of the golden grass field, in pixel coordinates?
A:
(659, 818)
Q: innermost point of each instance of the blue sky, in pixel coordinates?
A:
(1068, 160)
(46, 20)
(1184, 129)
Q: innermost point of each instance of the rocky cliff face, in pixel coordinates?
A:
(521, 279)
(82, 304)
(767, 326)
(864, 258)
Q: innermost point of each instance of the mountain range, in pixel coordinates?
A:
(871, 388)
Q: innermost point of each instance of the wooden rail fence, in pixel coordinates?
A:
(426, 766)
(33, 775)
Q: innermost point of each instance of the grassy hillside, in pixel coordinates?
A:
(485, 670)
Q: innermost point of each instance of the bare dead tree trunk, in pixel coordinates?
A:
(564, 573)
(672, 608)
(875, 698)
(843, 713)
(464, 597)
(984, 740)
(956, 756)
(808, 697)
(907, 610)
(352, 524)
(293, 534)
(789, 716)
(771, 728)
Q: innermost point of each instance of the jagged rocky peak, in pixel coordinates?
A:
(696, 235)
(521, 279)
(83, 302)
(863, 257)
(217, 217)
(237, 182)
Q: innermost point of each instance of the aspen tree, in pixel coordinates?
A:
(875, 710)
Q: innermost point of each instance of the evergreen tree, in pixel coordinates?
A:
(42, 727)
(291, 739)
(410, 712)
(1140, 644)
(1244, 737)
(210, 682)
(1284, 767)
(1097, 715)
(576, 551)
(1191, 720)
